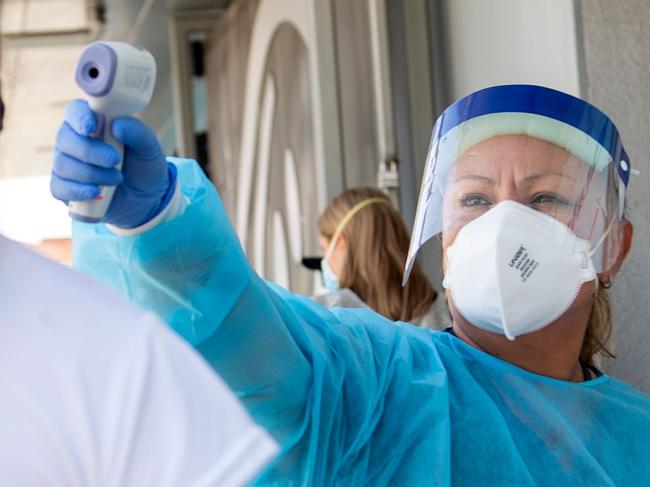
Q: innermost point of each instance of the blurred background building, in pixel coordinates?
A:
(287, 102)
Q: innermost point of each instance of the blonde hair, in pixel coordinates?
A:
(599, 330)
(378, 243)
(596, 343)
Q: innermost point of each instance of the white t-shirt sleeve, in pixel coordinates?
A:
(180, 425)
(95, 392)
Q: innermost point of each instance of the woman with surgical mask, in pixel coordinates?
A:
(365, 244)
(526, 187)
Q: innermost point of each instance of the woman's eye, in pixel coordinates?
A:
(548, 198)
(474, 200)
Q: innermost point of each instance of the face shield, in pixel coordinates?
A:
(542, 148)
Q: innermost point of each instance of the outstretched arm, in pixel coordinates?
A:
(192, 272)
(317, 380)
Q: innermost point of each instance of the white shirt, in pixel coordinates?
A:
(96, 393)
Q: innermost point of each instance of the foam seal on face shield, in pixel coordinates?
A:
(559, 133)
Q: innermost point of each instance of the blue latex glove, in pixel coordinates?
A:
(82, 164)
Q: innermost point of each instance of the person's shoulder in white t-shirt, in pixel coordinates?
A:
(95, 392)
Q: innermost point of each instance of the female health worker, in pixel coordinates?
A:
(365, 244)
(526, 186)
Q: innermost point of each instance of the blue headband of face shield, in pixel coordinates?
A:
(539, 112)
(538, 100)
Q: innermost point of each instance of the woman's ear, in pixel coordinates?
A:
(627, 232)
(342, 244)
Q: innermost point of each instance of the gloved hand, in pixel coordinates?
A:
(82, 164)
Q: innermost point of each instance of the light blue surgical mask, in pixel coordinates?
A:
(330, 281)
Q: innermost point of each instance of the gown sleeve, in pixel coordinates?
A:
(318, 380)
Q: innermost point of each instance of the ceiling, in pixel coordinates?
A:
(41, 42)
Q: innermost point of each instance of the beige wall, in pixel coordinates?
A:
(510, 41)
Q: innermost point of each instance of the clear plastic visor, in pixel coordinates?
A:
(539, 162)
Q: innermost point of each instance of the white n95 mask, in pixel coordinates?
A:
(514, 270)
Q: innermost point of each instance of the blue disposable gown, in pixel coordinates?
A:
(353, 398)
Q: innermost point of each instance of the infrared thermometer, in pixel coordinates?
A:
(118, 79)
